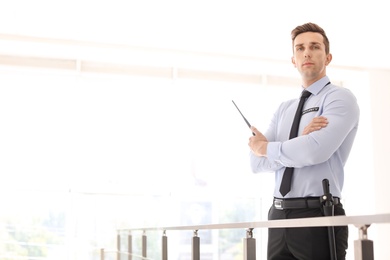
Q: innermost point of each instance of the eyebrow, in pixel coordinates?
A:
(311, 43)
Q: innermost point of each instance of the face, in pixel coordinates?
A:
(309, 57)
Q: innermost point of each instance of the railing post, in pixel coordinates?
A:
(364, 248)
(130, 246)
(164, 246)
(118, 246)
(195, 246)
(101, 253)
(144, 244)
(249, 245)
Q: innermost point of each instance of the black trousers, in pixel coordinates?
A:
(310, 243)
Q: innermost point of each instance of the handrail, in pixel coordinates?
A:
(363, 246)
(357, 221)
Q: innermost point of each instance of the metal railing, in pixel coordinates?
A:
(363, 247)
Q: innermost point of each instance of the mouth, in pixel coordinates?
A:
(307, 63)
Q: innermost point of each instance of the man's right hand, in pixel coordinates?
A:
(258, 143)
(316, 124)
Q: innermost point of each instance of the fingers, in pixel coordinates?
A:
(258, 136)
(258, 143)
(320, 121)
(254, 130)
(316, 124)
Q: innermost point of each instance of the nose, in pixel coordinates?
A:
(307, 54)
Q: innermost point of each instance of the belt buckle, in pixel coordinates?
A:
(278, 204)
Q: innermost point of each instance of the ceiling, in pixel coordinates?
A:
(245, 28)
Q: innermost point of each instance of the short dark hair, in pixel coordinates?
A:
(310, 27)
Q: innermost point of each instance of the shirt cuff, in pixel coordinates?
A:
(273, 151)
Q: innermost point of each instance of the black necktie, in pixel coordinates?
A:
(285, 186)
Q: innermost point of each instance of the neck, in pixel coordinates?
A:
(306, 82)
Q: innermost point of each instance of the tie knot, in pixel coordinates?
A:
(305, 94)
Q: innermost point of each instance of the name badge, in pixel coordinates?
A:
(312, 109)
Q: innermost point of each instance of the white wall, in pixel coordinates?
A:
(380, 94)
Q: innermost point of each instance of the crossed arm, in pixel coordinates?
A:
(258, 142)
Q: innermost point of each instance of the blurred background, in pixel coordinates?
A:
(118, 114)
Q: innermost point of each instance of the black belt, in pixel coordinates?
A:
(301, 203)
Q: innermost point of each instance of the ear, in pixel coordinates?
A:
(328, 59)
(293, 61)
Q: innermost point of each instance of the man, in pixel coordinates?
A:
(326, 133)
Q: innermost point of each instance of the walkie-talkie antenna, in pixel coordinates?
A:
(246, 121)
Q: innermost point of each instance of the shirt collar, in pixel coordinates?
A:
(316, 87)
